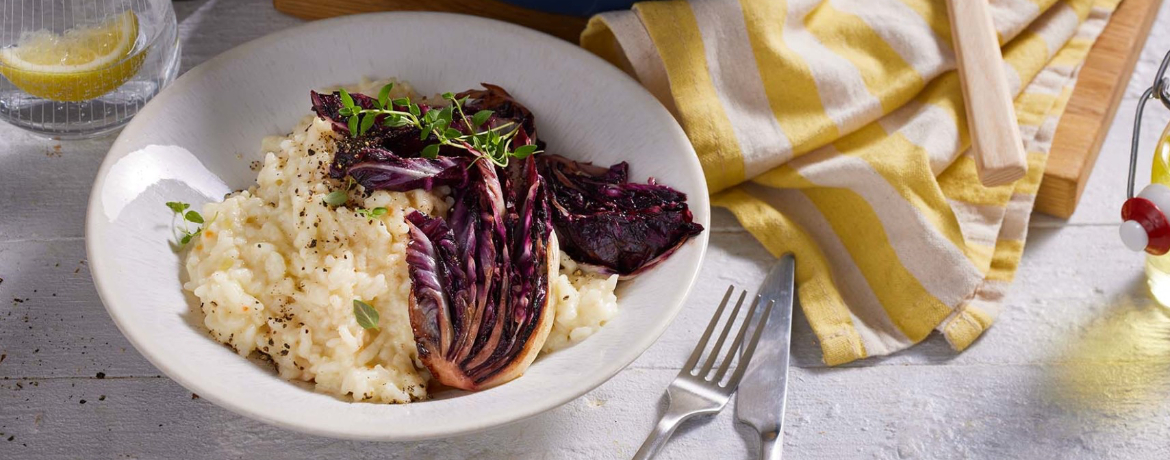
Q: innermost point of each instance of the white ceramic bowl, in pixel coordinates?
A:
(194, 142)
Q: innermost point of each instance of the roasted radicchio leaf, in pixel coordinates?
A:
(504, 108)
(400, 141)
(382, 170)
(479, 293)
(610, 224)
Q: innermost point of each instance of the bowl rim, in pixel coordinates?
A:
(99, 269)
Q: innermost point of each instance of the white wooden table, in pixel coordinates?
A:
(1078, 365)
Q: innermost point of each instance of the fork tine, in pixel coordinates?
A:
(738, 340)
(722, 336)
(751, 348)
(694, 359)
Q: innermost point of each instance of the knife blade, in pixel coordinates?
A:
(761, 395)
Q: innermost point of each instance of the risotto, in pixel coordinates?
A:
(276, 269)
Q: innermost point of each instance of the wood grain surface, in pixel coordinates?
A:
(1077, 366)
(991, 116)
(565, 27)
(1094, 102)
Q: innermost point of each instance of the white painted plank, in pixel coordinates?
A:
(44, 185)
(1078, 365)
(924, 412)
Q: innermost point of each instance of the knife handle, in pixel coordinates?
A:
(771, 445)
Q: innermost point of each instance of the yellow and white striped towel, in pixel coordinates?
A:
(835, 129)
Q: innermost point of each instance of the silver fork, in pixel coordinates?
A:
(697, 390)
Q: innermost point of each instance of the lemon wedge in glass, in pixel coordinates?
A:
(81, 64)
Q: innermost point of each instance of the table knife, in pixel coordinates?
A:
(760, 398)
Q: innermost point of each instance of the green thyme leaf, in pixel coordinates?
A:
(186, 239)
(353, 125)
(430, 151)
(524, 151)
(384, 96)
(395, 121)
(370, 213)
(177, 206)
(193, 216)
(336, 198)
(414, 110)
(451, 133)
(346, 99)
(367, 122)
(402, 101)
(481, 117)
(449, 96)
(367, 316)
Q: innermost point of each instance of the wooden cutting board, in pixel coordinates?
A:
(1094, 101)
(1078, 137)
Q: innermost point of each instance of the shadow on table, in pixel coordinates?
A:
(1108, 381)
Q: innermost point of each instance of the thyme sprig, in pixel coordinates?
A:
(493, 144)
(184, 234)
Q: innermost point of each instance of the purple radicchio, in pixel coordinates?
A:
(610, 224)
(380, 169)
(504, 108)
(480, 279)
(402, 141)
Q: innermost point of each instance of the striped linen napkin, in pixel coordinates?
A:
(836, 130)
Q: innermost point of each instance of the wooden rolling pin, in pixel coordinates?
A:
(991, 115)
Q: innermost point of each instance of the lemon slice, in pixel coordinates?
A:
(81, 64)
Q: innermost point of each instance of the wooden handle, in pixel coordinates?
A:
(991, 116)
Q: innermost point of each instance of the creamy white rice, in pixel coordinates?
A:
(583, 302)
(276, 271)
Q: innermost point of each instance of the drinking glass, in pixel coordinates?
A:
(80, 68)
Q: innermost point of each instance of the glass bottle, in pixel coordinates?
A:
(1145, 226)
